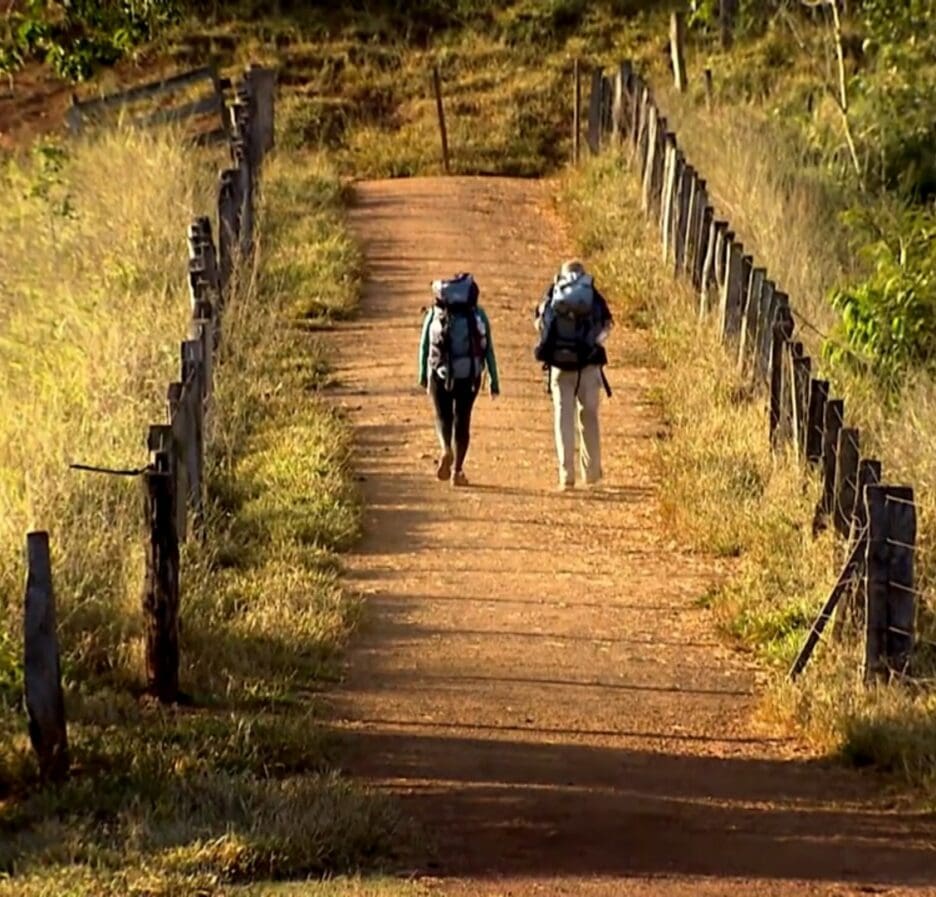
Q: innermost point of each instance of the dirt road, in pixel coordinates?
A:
(536, 680)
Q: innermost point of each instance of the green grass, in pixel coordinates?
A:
(240, 787)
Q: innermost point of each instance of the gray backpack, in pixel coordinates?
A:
(457, 335)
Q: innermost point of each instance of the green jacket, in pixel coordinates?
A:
(490, 362)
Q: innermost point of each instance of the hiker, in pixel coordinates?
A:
(573, 321)
(454, 352)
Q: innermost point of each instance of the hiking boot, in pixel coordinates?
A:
(459, 478)
(444, 467)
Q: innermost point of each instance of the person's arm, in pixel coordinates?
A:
(540, 308)
(424, 351)
(489, 358)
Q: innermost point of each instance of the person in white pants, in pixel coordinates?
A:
(576, 379)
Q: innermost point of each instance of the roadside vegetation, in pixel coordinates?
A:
(242, 784)
(854, 248)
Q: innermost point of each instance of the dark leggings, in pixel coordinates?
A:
(453, 415)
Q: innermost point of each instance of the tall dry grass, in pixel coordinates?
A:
(94, 302)
(727, 494)
(240, 787)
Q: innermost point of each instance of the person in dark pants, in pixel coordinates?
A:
(455, 350)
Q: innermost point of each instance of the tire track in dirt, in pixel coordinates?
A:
(535, 680)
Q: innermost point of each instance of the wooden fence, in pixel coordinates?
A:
(757, 323)
(174, 479)
(211, 106)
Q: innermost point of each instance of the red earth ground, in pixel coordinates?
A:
(536, 681)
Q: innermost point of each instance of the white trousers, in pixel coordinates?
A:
(576, 396)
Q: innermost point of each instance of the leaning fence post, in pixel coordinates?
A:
(45, 704)
(227, 229)
(161, 585)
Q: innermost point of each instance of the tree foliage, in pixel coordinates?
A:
(76, 36)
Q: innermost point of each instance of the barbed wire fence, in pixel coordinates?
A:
(757, 324)
(174, 477)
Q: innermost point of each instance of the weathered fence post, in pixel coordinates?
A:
(832, 423)
(800, 370)
(653, 125)
(263, 90)
(709, 89)
(732, 291)
(677, 41)
(161, 588)
(670, 174)
(901, 596)
(703, 247)
(45, 704)
(877, 574)
(815, 423)
(781, 331)
(227, 229)
(846, 478)
(576, 110)
(194, 391)
(594, 112)
(750, 317)
(440, 112)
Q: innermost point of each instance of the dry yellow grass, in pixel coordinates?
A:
(725, 492)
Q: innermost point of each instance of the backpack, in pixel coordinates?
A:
(457, 335)
(570, 326)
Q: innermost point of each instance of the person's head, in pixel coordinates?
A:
(571, 270)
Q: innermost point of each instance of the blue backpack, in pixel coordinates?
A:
(570, 325)
(457, 335)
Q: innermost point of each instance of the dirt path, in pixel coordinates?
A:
(535, 680)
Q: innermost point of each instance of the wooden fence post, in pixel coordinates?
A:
(901, 597)
(179, 417)
(846, 478)
(801, 368)
(684, 196)
(677, 41)
(440, 112)
(670, 174)
(709, 90)
(193, 391)
(815, 422)
(782, 330)
(750, 318)
(45, 704)
(833, 422)
(263, 90)
(732, 290)
(576, 111)
(704, 244)
(227, 229)
(594, 112)
(877, 575)
(653, 125)
(161, 588)
(709, 281)
(770, 300)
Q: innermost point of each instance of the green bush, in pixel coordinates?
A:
(889, 318)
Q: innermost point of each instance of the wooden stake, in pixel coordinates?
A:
(437, 86)
(45, 704)
(161, 585)
(677, 40)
